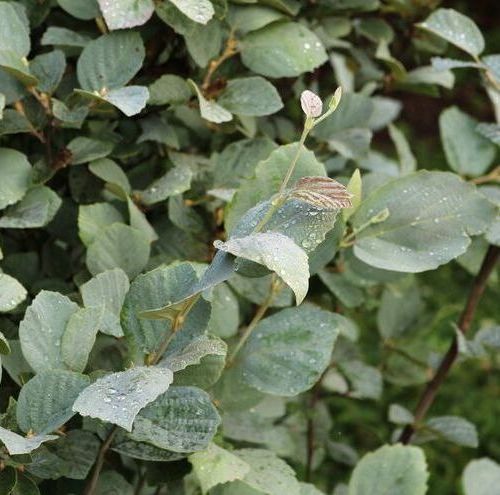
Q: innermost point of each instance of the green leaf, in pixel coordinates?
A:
(12, 293)
(14, 29)
(176, 181)
(282, 50)
(441, 212)
(8, 480)
(18, 67)
(200, 11)
(42, 328)
(204, 42)
(169, 89)
(288, 351)
(152, 290)
(365, 381)
(225, 317)
(49, 69)
(71, 456)
(193, 353)
(16, 176)
(130, 100)
(253, 96)
(110, 61)
(210, 110)
(36, 209)
(118, 397)
(400, 308)
(278, 253)
(118, 246)
(81, 10)
(85, 150)
(489, 131)
(181, 420)
(107, 291)
(92, 219)
(268, 473)
(64, 37)
(216, 466)
(113, 483)
(246, 18)
(110, 172)
(467, 151)
(454, 429)
(79, 337)
(269, 175)
(390, 469)
(122, 14)
(455, 28)
(347, 293)
(481, 477)
(45, 402)
(407, 160)
(17, 445)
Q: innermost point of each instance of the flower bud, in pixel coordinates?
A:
(311, 103)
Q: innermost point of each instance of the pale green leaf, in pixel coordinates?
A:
(210, 110)
(169, 89)
(454, 429)
(17, 445)
(282, 50)
(455, 28)
(467, 151)
(176, 181)
(107, 290)
(253, 96)
(36, 209)
(118, 397)
(42, 328)
(278, 253)
(481, 477)
(49, 69)
(407, 160)
(16, 176)
(215, 466)
(110, 61)
(14, 30)
(390, 470)
(118, 246)
(441, 212)
(12, 293)
(79, 337)
(92, 219)
(288, 351)
(122, 14)
(130, 100)
(200, 11)
(193, 353)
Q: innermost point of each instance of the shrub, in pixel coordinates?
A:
(225, 269)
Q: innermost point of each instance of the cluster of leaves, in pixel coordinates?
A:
(159, 218)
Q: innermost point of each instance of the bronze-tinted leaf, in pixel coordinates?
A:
(322, 192)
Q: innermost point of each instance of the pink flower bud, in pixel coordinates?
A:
(311, 103)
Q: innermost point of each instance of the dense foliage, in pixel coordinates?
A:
(215, 281)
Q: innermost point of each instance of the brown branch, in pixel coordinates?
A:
(464, 323)
(92, 484)
(230, 50)
(493, 176)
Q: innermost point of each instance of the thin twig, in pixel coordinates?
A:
(230, 50)
(92, 484)
(276, 286)
(493, 176)
(464, 324)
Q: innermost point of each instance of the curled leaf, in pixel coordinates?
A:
(322, 192)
